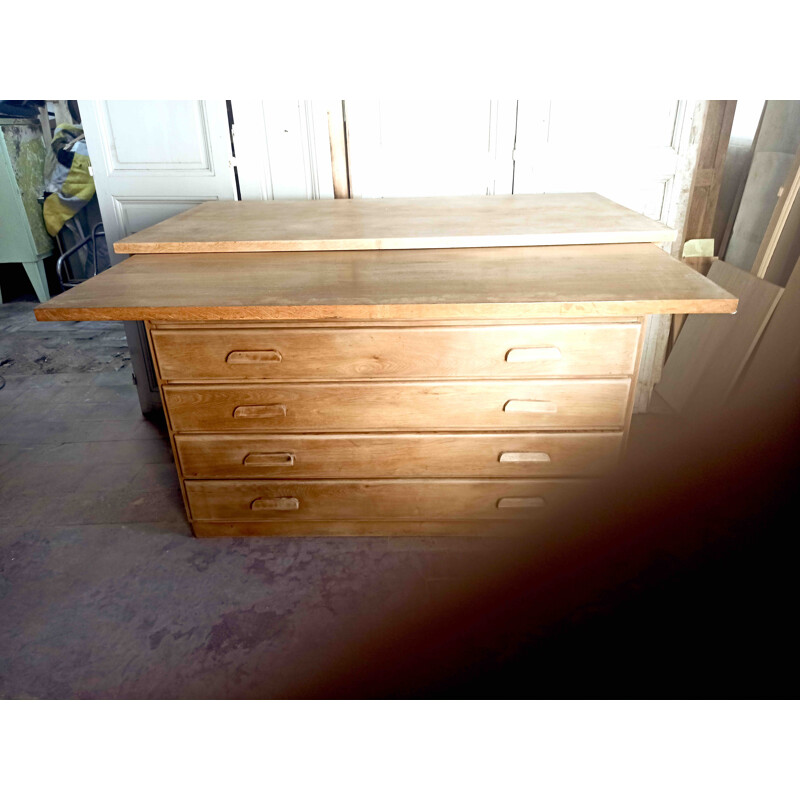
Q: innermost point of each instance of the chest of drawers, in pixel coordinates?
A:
(390, 391)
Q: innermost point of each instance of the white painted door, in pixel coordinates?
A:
(152, 159)
(408, 148)
(625, 150)
(282, 149)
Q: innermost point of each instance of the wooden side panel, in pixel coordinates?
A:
(434, 405)
(479, 455)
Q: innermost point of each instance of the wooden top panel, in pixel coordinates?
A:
(396, 224)
(490, 283)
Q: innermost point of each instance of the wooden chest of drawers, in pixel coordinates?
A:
(451, 424)
(402, 391)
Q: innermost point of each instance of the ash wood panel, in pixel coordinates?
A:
(711, 352)
(397, 223)
(384, 527)
(420, 352)
(491, 283)
(397, 406)
(428, 500)
(398, 455)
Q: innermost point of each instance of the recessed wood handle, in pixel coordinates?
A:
(520, 502)
(530, 407)
(253, 357)
(259, 412)
(269, 460)
(533, 354)
(540, 458)
(275, 504)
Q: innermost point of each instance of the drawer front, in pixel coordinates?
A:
(397, 455)
(500, 351)
(391, 499)
(442, 406)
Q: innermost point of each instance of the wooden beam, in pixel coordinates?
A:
(708, 175)
(706, 183)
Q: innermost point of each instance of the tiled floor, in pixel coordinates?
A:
(104, 593)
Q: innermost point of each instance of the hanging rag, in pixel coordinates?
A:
(70, 184)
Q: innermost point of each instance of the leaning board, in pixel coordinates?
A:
(711, 352)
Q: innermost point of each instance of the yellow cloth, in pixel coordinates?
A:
(79, 184)
(72, 189)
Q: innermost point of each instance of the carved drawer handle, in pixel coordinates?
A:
(533, 354)
(540, 458)
(530, 407)
(520, 502)
(259, 412)
(269, 460)
(253, 357)
(275, 504)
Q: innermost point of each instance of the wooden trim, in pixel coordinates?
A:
(706, 184)
(786, 204)
(439, 311)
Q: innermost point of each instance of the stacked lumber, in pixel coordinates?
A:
(723, 361)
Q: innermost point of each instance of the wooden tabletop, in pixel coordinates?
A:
(391, 224)
(489, 283)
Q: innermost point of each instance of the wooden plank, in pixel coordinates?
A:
(491, 283)
(779, 250)
(336, 134)
(384, 224)
(711, 352)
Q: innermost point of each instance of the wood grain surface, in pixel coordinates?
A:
(466, 284)
(397, 406)
(396, 223)
(503, 351)
(397, 455)
(375, 499)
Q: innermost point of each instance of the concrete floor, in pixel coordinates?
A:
(104, 593)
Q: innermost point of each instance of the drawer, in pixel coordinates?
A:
(412, 406)
(397, 455)
(377, 499)
(492, 351)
